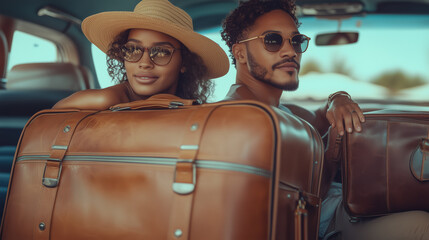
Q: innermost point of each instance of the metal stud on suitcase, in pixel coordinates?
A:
(166, 169)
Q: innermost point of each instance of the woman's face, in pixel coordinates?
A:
(148, 77)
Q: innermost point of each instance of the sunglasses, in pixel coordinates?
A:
(273, 42)
(159, 55)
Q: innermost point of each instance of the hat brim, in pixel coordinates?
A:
(102, 28)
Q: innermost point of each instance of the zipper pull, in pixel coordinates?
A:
(301, 221)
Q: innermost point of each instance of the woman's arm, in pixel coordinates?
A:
(94, 99)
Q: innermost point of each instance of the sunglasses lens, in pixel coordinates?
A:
(132, 53)
(273, 42)
(299, 43)
(161, 55)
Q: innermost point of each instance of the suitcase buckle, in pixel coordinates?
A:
(175, 104)
(117, 109)
(185, 188)
(51, 182)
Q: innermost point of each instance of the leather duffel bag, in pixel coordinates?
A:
(385, 168)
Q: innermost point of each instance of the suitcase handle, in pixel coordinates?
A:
(155, 101)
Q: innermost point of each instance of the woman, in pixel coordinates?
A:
(150, 50)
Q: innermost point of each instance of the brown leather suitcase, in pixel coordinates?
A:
(165, 169)
(386, 167)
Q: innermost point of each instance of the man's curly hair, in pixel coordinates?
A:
(239, 21)
(192, 84)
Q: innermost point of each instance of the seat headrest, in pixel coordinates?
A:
(46, 76)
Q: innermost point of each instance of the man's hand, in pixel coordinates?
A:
(344, 113)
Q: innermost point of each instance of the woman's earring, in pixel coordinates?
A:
(183, 70)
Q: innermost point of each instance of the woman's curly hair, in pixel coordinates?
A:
(239, 21)
(192, 84)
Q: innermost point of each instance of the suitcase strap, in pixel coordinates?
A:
(52, 173)
(185, 174)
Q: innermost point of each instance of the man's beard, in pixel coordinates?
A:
(259, 73)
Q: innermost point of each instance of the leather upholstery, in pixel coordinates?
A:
(48, 76)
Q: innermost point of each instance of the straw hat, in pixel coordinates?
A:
(161, 16)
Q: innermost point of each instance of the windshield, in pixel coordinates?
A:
(389, 62)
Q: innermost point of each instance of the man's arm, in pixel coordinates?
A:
(340, 112)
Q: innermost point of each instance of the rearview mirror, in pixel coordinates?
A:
(330, 9)
(338, 38)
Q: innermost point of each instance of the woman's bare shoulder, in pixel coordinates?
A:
(94, 99)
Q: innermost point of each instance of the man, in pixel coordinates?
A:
(263, 74)
(266, 48)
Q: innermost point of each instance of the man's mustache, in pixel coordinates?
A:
(285, 61)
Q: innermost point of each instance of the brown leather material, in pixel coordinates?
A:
(333, 158)
(156, 101)
(419, 161)
(333, 147)
(378, 176)
(48, 76)
(118, 170)
(305, 175)
(288, 222)
(52, 171)
(301, 221)
(180, 219)
(185, 173)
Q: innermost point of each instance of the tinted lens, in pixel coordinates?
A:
(273, 42)
(299, 43)
(132, 53)
(161, 55)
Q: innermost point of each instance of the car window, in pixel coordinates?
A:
(27, 48)
(100, 64)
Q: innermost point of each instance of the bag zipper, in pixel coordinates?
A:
(204, 164)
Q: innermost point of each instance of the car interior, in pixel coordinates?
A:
(376, 50)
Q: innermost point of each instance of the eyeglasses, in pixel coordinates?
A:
(159, 55)
(273, 42)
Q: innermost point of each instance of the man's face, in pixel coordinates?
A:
(279, 69)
